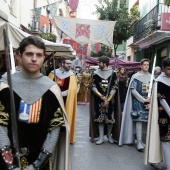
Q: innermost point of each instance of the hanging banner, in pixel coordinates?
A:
(37, 14)
(73, 4)
(80, 49)
(53, 9)
(96, 47)
(86, 31)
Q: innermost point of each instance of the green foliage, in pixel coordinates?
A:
(109, 11)
(48, 36)
(134, 11)
(105, 50)
(167, 2)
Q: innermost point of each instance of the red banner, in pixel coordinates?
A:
(73, 4)
(96, 47)
(80, 49)
(165, 22)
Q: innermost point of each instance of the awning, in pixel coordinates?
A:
(119, 63)
(86, 31)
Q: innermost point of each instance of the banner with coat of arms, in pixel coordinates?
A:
(86, 31)
(79, 48)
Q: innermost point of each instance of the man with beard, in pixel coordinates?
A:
(67, 82)
(102, 106)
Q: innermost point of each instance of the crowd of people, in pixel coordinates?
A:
(36, 133)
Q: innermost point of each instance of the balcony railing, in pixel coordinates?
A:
(149, 23)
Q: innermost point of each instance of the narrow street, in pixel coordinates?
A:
(89, 156)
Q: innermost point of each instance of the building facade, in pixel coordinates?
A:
(151, 32)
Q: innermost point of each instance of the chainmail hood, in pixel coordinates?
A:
(30, 89)
(104, 74)
(164, 79)
(63, 74)
(145, 78)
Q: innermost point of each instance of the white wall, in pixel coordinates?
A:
(145, 6)
(25, 10)
(21, 13)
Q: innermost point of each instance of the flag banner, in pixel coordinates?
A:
(73, 4)
(79, 48)
(86, 31)
(53, 9)
(95, 47)
(37, 13)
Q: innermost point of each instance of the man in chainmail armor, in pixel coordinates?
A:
(41, 119)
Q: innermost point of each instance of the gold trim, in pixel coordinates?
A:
(110, 97)
(4, 118)
(98, 94)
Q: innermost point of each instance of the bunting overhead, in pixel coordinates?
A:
(86, 31)
(73, 4)
(80, 49)
(37, 14)
(53, 9)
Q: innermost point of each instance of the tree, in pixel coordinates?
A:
(167, 2)
(105, 50)
(110, 11)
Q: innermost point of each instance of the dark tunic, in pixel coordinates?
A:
(104, 114)
(32, 133)
(112, 114)
(122, 89)
(164, 119)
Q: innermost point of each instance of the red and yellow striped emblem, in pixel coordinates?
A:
(35, 109)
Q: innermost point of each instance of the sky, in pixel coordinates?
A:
(86, 8)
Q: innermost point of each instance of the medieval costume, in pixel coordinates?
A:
(135, 114)
(79, 80)
(67, 82)
(158, 132)
(43, 128)
(83, 94)
(122, 85)
(104, 83)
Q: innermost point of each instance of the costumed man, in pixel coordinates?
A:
(67, 82)
(135, 113)
(83, 94)
(102, 107)
(157, 71)
(78, 72)
(158, 132)
(41, 122)
(18, 66)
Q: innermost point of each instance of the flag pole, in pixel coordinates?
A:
(152, 77)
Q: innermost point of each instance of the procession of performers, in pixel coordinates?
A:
(46, 110)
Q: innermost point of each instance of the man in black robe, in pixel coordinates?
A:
(40, 115)
(104, 87)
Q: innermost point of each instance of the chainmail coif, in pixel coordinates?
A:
(30, 89)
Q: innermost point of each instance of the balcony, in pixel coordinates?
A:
(148, 31)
